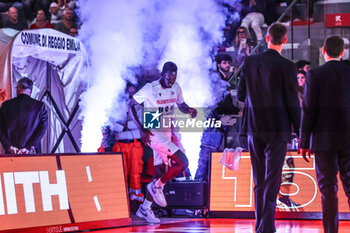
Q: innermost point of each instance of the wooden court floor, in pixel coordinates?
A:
(219, 225)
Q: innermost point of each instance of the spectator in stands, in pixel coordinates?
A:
(67, 22)
(57, 8)
(73, 31)
(223, 62)
(224, 107)
(253, 16)
(243, 46)
(224, 73)
(41, 21)
(301, 76)
(15, 21)
(303, 65)
(20, 5)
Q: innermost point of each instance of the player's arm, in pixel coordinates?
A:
(183, 107)
(145, 133)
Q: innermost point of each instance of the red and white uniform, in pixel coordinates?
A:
(155, 97)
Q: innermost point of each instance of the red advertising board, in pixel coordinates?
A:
(338, 20)
(233, 190)
(59, 193)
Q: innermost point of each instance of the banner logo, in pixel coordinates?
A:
(151, 120)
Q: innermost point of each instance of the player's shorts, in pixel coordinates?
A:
(162, 147)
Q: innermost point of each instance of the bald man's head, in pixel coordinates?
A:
(13, 14)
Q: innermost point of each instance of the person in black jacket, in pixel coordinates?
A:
(23, 121)
(268, 88)
(326, 119)
(15, 21)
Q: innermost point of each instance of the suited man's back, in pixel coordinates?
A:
(329, 87)
(268, 88)
(23, 122)
(271, 102)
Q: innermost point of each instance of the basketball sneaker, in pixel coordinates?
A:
(147, 214)
(157, 194)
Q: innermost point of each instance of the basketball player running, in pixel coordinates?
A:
(161, 95)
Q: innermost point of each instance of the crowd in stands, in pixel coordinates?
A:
(256, 15)
(246, 23)
(253, 15)
(35, 14)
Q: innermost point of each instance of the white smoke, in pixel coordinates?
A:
(127, 33)
(112, 32)
(189, 37)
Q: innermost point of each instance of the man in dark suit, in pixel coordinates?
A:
(268, 87)
(326, 119)
(23, 121)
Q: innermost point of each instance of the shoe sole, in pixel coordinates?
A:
(149, 189)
